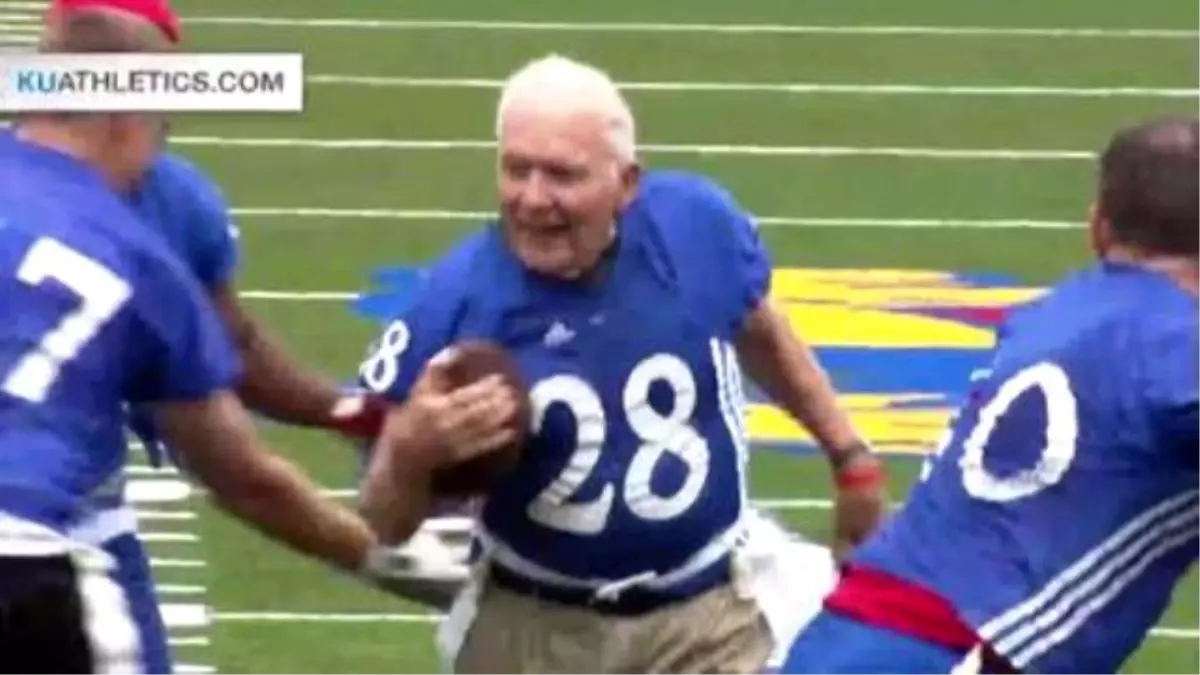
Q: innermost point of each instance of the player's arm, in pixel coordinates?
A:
(407, 360)
(188, 381)
(216, 441)
(770, 351)
(274, 383)
(393, 370)
(788, 371)
(786, 368)
(402, 363)
(219, 446)
(188, 370)
(396, 494)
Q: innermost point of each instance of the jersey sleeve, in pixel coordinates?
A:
(740, 251)
(213, 237)
(188, 353)
(414, 336)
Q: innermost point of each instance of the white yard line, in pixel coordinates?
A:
(699, 28)
(180, 589)
(300, 617)
(153, 514)
(169, 537)
(1005, 154)
(176, 563)
(780, 87)
(764, 221)
(300, 296)
(31, 10)
(188, 641)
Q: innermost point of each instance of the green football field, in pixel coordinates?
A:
(931, 134)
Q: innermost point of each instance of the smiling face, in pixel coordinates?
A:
(561, 188)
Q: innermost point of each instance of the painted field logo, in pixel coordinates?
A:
(899, 344)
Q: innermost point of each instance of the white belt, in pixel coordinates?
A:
(105, 525)
(21, 538)
(611, 589)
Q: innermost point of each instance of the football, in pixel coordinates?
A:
(477, 360)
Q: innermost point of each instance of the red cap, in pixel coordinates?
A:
(157, 12)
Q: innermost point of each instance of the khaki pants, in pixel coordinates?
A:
(783, 580)
(716, 632)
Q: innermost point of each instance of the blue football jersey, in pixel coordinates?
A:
(181, 203)
(97, 313)
(1062, 509)
(638, 454)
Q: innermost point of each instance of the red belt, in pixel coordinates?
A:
(884, 601)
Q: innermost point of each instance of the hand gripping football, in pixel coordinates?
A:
(476, 360)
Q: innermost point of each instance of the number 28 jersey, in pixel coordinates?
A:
(637, 459)
(1063, 507)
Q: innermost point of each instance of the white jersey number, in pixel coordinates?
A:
(380, 369)
(659, 435)
(101, 292)
(1058, 437)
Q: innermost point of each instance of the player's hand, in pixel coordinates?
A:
(464, 422)
(358, 415)
(426, 569)
(860, 503)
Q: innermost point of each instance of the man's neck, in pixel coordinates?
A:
(598, 272)
(1183, 270)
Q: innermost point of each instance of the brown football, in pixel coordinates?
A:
(477, 360)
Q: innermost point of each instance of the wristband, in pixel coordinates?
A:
(860, 476)
(359, 416)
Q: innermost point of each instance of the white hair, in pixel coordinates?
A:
(560, 84)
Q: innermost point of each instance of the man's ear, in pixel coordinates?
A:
(631, 175)
(1100, 235)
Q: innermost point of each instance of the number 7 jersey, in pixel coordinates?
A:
(638, 456)
(1062, 508)
(96, 313)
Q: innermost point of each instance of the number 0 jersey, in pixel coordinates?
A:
(97, 312)
(638, 456)
(1063, 507)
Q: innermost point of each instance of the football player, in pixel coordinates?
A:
(628, 300)
(99, 312)
(1062, 509)
(186, 208)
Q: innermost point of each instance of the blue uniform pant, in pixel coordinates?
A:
(834, 643)
(132, 574)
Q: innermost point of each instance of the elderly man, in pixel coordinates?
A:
(1062, 510)
(628, 300)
